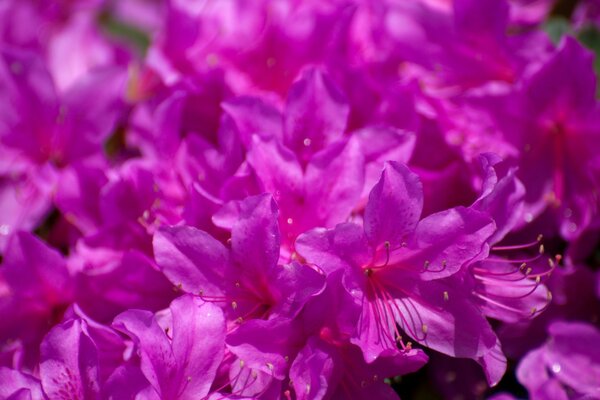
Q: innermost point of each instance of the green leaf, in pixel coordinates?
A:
(556, 28)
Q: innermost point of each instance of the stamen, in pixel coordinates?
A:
(502, 305)
(504, 260)
(387, 256)
(519, 246)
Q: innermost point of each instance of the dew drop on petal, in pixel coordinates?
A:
(290, 221)
(556, 368)
(307, 142)
(528, 217)
(572, 227)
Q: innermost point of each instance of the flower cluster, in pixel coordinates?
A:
(298, 199)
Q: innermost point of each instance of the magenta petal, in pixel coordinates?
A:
(254, 117)
(333, 249)
(333, 183)
(264, 344)
(513, 297)
(198, 344)
(191, 257)
(69, 362)
(531, 371)
(446, 241)
(157, 359)
(566, 81)
(278, 169)
(374, 331)
(131, 280)
(394, 206)
(314, 372)
(502, 195)
(78, 198)
(255, 236)
(247, 381)
(316, 114)
(494, 364)
(126, 382)
(292, 286)
(24, 204)
(30, 104)
(440, 316)
(31, 267)
(380, 144)
(573, 355)
(484, 19)
(18, 385)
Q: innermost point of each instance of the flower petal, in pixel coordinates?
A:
(394, 206)
(69, 363)
(191, 258)
(198, 344)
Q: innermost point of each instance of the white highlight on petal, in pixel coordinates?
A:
(4, 229)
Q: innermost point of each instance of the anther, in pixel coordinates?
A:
(424, 328)
(446, 296)
(242, 363)
(375, 378)
(541, 249)
(270, 366)
(549, 295)
(234, 305)
(523, 266)
(533, 310)
(426, 265)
